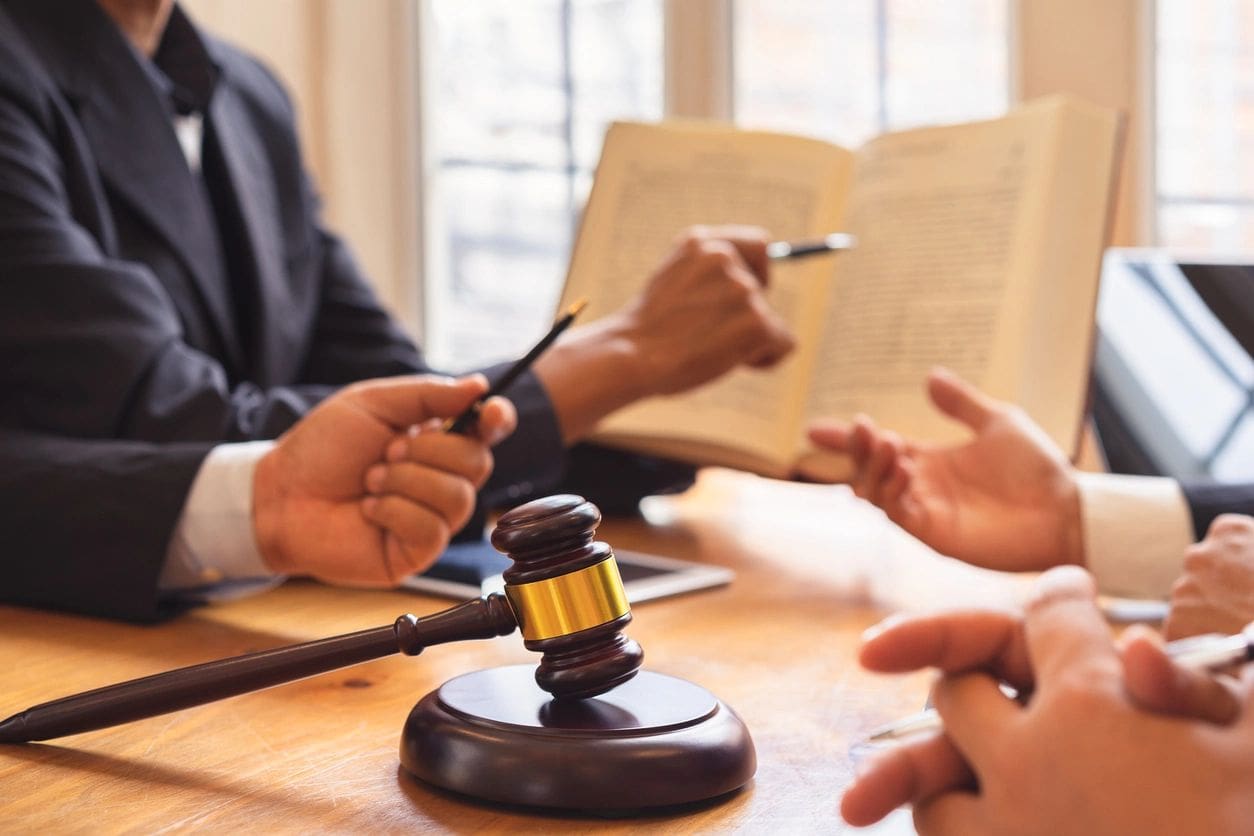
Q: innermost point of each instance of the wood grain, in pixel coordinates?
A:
(815, 567)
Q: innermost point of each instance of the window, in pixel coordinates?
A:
(1175, 379)
(847, 71)
(518, 96)
(1205, 124)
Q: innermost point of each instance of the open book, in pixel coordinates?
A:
(978, 248)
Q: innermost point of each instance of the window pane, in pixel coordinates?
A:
(1205, 127)
(506, 235)
(807, 67)
(946, 61)
(1233, 464)
(520, 94)
(616, 55)
(1206, 227)
(849, 69)
(499, 82)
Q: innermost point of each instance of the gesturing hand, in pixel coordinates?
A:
(1006, 499)
(1215, 594)
(330, 502)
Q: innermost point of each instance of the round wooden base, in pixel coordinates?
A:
(653, 741)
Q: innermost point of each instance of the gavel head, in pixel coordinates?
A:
(567, 596)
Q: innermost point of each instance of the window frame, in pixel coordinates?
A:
(1042, 41)
(357, 74)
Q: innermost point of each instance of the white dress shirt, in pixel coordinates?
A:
(213, 553)
(1136, 530)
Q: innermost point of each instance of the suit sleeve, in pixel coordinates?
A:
(534, 462)
(85, 522)
(93, 345)
(106, 413)
(107, 410)
(1209, 500)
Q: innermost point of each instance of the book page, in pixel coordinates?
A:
(655, 180)
(1057, 345)
(949, 224)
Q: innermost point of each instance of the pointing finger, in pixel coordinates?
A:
(959, 399)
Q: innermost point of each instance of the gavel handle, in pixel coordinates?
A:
(182, 688)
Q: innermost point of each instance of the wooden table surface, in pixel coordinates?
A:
(815, 567)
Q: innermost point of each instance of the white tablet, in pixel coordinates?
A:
(469, 570)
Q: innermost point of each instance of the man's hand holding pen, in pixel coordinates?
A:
(393, 466)
(1094, 704)
(365, 490)
(705, 312)
(702, 312)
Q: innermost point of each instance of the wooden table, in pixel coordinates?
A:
(814, 565)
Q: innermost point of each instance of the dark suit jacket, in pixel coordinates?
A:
(125, 361)
(1208, 501)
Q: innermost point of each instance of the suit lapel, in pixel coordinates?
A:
(128, 126)
(252, 184)
(139, 157)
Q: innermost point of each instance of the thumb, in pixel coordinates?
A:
(959, 399)
(1158, 684)
(750, 242)
(404, 401)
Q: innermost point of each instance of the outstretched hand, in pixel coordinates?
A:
(365, 489)
(1006, 499)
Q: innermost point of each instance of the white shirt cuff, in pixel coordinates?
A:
(214, 552)
(1136, 530)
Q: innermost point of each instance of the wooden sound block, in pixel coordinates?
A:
(653, 741)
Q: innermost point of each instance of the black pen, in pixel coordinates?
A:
(463, 422)
(778, 250)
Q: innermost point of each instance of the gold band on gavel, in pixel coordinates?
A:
(569, 603)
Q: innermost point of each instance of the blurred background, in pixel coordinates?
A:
(455, 144)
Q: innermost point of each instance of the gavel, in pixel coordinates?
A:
(563, 591)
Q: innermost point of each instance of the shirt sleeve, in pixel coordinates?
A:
(1136, 530)
(213, 555)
